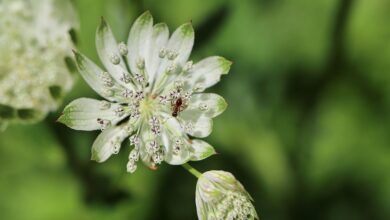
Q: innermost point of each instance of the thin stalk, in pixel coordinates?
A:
(192, 170)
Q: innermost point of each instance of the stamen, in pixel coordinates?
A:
(120, 111)
(107, 79)
(187, 96)
(162, 53)
(163, 99)
(174, 94)
(179, 83)
(115, 59)
(188, 66)
(139, 95)
(104, 105)
(134, 140)
(134, 155)
(140, 63)
(153, 147)
(123, 49)
(172, 54)
(188, 127)
(116, 145)
(104, 123)
(125, 78)
(128, 129)
(127, 93)
(158, 157)
(108, 92)
(131, 166)
(155, 126)
(171, 68)
(203, 107)
(177, 146)
(139, 78)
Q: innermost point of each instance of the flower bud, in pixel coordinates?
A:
(220, 196)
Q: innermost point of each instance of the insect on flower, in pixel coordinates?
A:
(152, 93)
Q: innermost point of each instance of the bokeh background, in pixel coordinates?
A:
(306, 130)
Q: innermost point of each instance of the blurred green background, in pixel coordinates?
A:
(306, 130)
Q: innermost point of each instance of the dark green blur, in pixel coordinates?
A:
(307, 129)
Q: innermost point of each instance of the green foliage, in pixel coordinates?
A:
(306, 129)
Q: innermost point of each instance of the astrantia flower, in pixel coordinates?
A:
(220, 196)
(34, 42)
(152, 94)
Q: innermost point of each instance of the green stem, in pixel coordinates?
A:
(192, 170)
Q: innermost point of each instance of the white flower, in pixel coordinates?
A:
(152, 95)
(34, 43)
(220, 196)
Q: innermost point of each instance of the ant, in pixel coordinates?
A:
(177, 106)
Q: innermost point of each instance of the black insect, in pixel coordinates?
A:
(177, 106)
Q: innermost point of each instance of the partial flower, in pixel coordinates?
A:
(34, 43)
(152, 94)
(220, 196)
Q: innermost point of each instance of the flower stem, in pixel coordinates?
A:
(192, 170)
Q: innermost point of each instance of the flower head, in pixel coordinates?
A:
(34, 43)
(152, 95)
(220, 196)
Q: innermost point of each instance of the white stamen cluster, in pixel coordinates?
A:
(34, 43)
(155, 126)
(234, 206)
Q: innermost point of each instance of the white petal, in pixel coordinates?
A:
(139, 40)
(173, 126)
(107, 48)
(172, 130)
(207, 73)
(196, 124)
(145, 139)
(172, 158)
(158, 41)
(181, 43)
(83, 113)
(201, 150)
(103, 147)
(209, 104)
(201, 206)
(92, 74)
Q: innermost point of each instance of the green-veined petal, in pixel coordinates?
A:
(158, 41)
(210, 104)
(201, 150)
(139, 40)
(196, 124)
(108, 142)
(207, 73)
(93, 75)
(84, 114)
(109, 54)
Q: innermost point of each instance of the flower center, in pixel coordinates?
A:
(147, 106)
